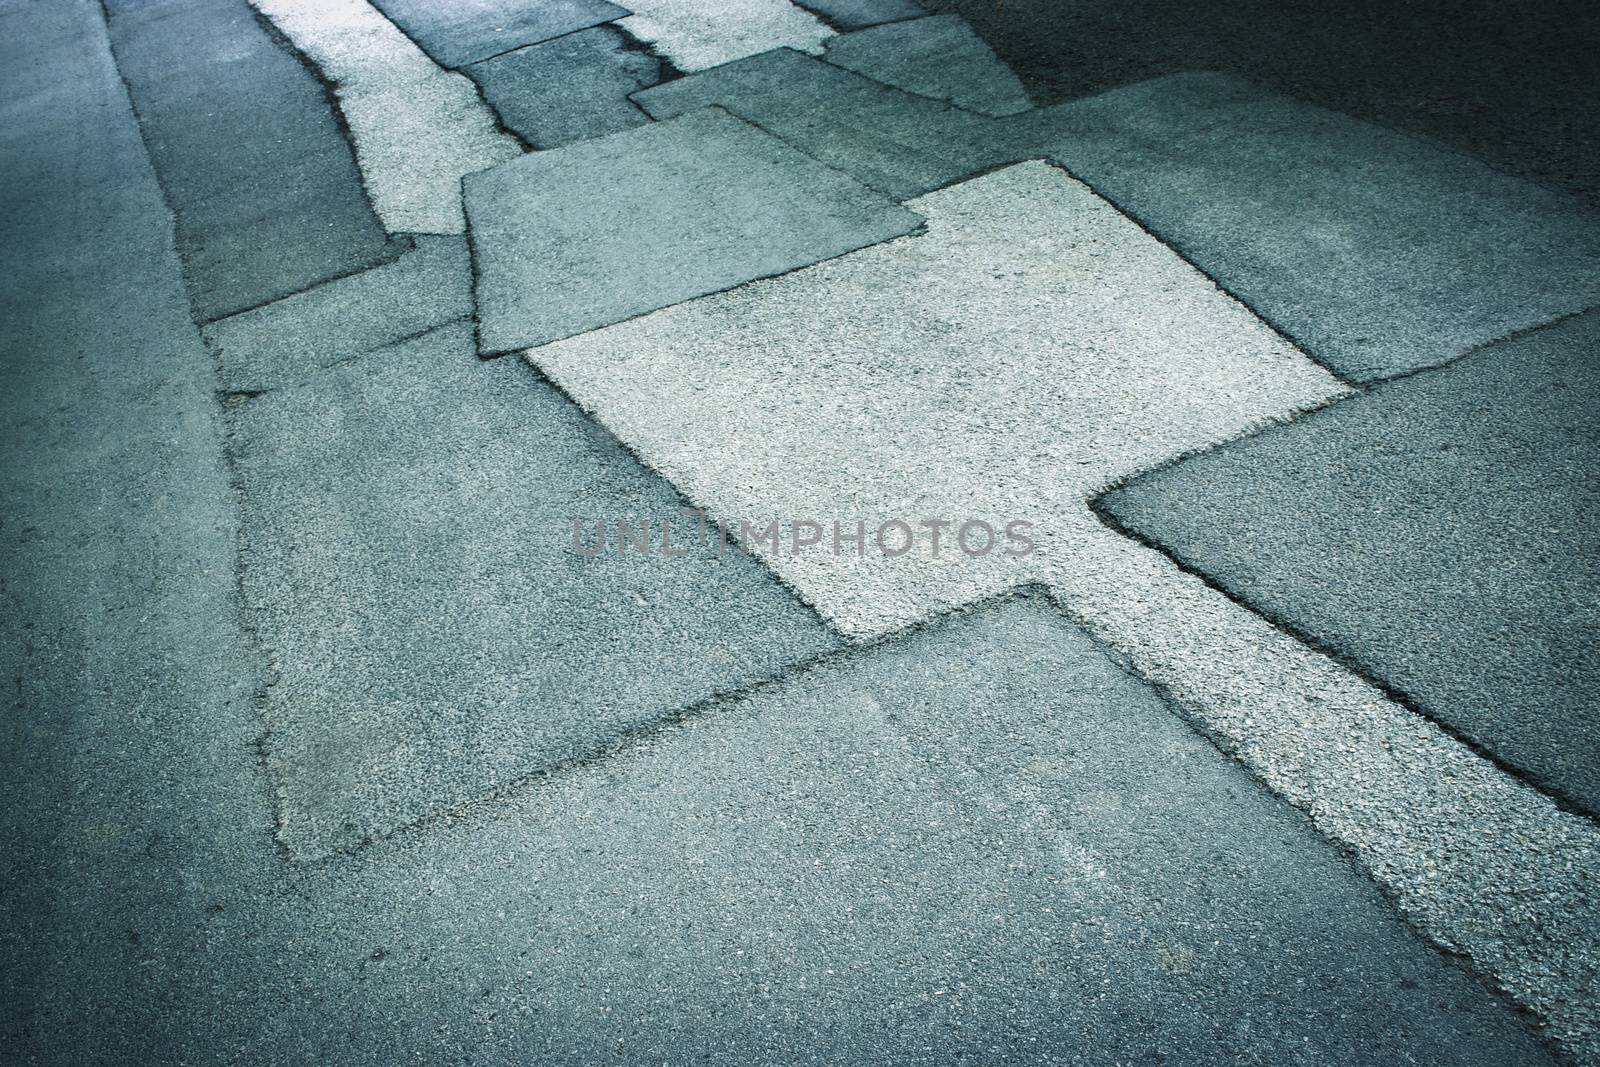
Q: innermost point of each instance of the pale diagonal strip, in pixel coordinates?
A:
(697, 34)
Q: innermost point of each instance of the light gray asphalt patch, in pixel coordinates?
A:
(466, 31)
(895, 141)
(695, 35)
(289, 340)
(938, 56)
(578, 237)
(267, 197)
(1442, 532)
(1378, 252)
(569, 89)
(408, 558)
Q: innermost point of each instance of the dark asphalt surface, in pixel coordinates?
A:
(264, 186)
(1376, 252)
(434, 636)
(857, 866)
(1442, 532)
(1515, 84)
(127, 684)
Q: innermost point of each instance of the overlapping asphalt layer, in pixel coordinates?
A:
(416, 127)
(570, 89)
(1032, 347)
(409, 560)
(267, 197)
(1519, 907)
(895, 141)
(982, 842)
(1439, 532)
(289, 340)
(469, 31)
(694, 35)
(859, 14)
(579, 237)
(938, 56)
(1378, 252)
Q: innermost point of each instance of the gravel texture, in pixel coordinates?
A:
(1032, 347)
(697, 34)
